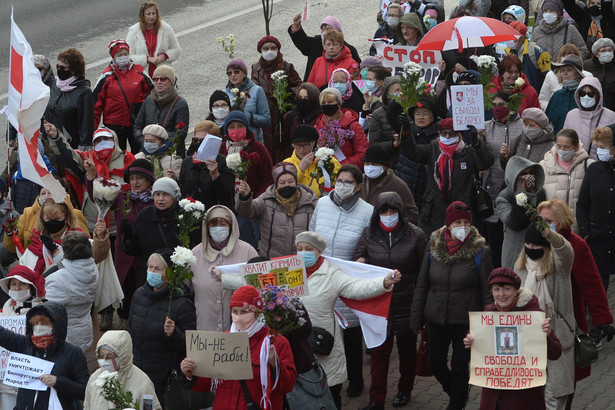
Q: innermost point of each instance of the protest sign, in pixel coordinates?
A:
(15, 324)
(287, 273)
(23, 372)
(220, 355)
(209, 148)
(467, 106)
(396, 56)
(509, 350)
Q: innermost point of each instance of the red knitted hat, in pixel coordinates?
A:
(26, 275)
(117, 45)
(268, 39)
(458, 210)
(247, 297)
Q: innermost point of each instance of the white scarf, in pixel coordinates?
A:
(536, 282)
(64, 85)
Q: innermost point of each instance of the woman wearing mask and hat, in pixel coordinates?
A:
(452, 282)
(544, 266)
(590, 114)
(155, 149)
(374, 82)
(389, 27)
(352, 98)
(554, 30)
(457, 64)
(510, 78)
(283, 210)
(569, 73)
(272, 61)
(306, 109)
(254, 103)
(219, 107)
(119, 93)
(602, 66)
(509, 296)
(535, 140)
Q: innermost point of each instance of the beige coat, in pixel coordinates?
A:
(166, 162)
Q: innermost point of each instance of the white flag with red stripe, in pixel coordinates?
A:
(28, 97)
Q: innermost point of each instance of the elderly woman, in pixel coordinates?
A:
(155, 149)
(554, 30)
(569, 73)
(452, 282)
(544, 266)
(393, 242)
(509, 296)
(45, 338)
(152, 40)
(352, 98)
(535, 140)
(306, 109)
(335, 55)
(409, 29)
(340, 130)
(326, 283)
(511, 78)
(591, 113)
(283, 210)
(159, 337)
(71, 105)
(254, 102)
(595, 204)
(114, 354)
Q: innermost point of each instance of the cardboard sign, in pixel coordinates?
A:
(220, 355)
(509, 350)
(468, 106)
(15, 324)
(23, 372)
(396, 56)
(209, 148)
(287, 272)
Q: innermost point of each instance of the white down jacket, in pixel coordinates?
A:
(166, 43)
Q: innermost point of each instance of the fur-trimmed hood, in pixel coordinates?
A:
(471, 246)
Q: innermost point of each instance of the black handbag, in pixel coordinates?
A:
(321, 341)
(311, 391)
(483, 204)
(179, 397)
(585, 353)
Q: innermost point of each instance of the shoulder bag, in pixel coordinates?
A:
(585, 353)
(311, 391)
(179, 397)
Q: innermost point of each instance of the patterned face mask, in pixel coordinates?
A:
(529, 181)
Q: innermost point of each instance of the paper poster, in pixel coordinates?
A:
(220, 355)
(23, 372)
(509, 350)
(360, 85)
(15, 324)
(287, 272)
(467, 106)
(395, 57)
(209, 148)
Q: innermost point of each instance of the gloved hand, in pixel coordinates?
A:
(49, 243)
(473, 132)
(404, 120)
(125, 228)
(607, 331)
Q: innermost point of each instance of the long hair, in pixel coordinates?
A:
(546, 265)
(49, 208)
(142, 9)
(560, 209)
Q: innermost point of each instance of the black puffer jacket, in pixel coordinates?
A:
(70, 366)
(153, 351)
(72, 112)
(402, 249)
(195, 182)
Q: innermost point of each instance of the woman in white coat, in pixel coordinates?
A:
(152, 41)
(326, 283)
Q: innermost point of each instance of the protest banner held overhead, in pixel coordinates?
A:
(395, 57)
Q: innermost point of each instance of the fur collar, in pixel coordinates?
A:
(525, 295)
(471, 246)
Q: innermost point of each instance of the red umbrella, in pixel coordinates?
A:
(466, 32)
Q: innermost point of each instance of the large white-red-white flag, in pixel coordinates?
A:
(28, 97)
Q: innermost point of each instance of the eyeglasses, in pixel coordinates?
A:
(462, 208)
(159, 79)
(500, 104)
(231, 72)
(590, 94)
(344, 183)
(220, 105)
(447, 133)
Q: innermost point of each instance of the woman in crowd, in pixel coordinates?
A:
(374, 82)
(544, 266)
(114, 354)
(340, 130)
(119, 93)
(219, 107)
(272, 61)
(152, 40)
(159, 338)
(595, 204)
(351, 95)
(306, 109)
(388, 28)
(452, 281)
(246, 305)
(283, 210)
(511, 78)
(554, 30)
(201, 130)
(254, 102)
(326, 283)
(380, 131)
(509, 296)
(45, 338)
(565, 166)
(591, 113)
(71, 104)
(569, 73)
(409, 29)
(391, 241)
(535, 140)
(335, 55)
(155, 148)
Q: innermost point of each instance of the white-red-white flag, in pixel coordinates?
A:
(28, 97)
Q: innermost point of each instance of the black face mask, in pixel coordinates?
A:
(287, 192)
(595, 11)
(534, 254)
(303, 106)
(329, 109)
(64, 74)
(53, 225)
(193, 148)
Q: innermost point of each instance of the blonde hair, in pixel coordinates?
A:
(49, 208)
(209, 127)
(560, 209)
(546, 265)
(603, 135)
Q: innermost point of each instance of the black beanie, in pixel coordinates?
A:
(534, 237)
(217, 96)
(377, 155)
(305, 133)
(140, 166)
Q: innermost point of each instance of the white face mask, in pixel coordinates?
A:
(449, 141)
(550, 18)
(565, 155)
(20, 295)
(587, 101)
(42, 330)
(392, 21)
(512, 44)
(605, 57)
(604, 154)
(270, 54)
(219, 233)
(532, 133)
(122, 61)
(102, 145)
(344, 192)
(220, 113)
(461, 232)
(373, 171)
(389, 220)
(107, 365)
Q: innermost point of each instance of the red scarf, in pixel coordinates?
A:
(444, 164)
(195, 160)
(101, 160)
(314, 267)
(43, 342)
(452, 244)
(36, 247)
(151, 41)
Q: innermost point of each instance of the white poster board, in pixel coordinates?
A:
(23, 372)
(468, 107)
(15, 324)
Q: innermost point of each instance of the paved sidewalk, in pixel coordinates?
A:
(595, 392)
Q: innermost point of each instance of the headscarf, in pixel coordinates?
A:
(348, 92)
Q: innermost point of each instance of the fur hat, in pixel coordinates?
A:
(537, 115)
(247, 296)
(157, 131)
(333, 22)
(268, 39)
(458, 210)
(239, 63)
(282, 168)
(305, 133)
(140, 166)
(377, 154)
(26, 275)
(504, 275)
(165, 71)
(117, 45)
(218, 95)
(311, 238)
(168, 185)
(534, 237)
(445, 124)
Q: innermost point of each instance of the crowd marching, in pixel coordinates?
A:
(350, 162)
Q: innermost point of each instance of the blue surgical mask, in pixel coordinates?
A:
(150, 147)
(309, 258)
(154, 279)
(371, 85)
(604, 154)
(341, 87)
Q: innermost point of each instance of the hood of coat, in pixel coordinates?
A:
(210, 253)
(387, 200)
(120, 343)
(514, 168)
(412, 20)
(471, 246)
(553, 167)
(83, 271)
(595, 84)
(57, 313)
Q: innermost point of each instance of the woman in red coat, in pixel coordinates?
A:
(340, 130)
(335, 55)
(246, 305)
(511, 78)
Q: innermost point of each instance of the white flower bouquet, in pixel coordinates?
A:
(324, 156)
(104, 193)
(180, 272)
(111, 389)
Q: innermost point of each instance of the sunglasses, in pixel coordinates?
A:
(462, 208)
(159, 79)
(590, 94)
(231, 72)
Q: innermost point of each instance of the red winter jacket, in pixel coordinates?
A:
(354, 150)
(531, 96)
(229, 395)
(323, 67)
(110, 102)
